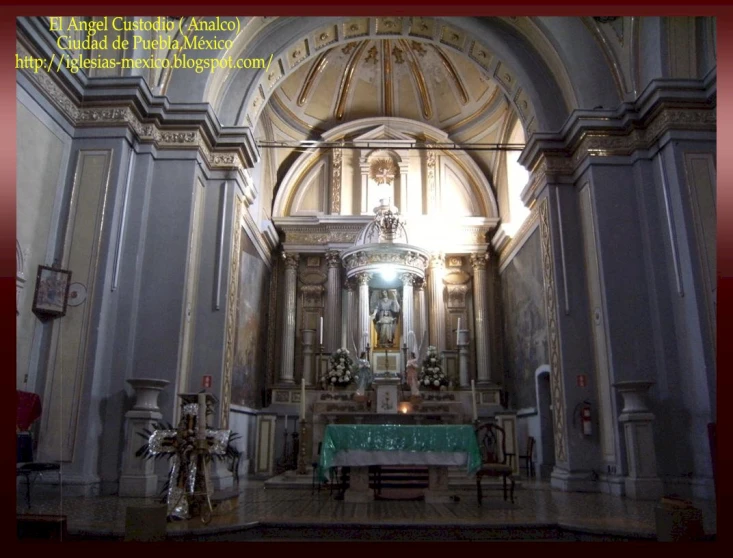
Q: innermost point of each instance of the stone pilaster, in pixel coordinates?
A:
(436, 319)
(288, 342)
(481, 318)
(332, 333)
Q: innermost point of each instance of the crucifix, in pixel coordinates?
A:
(190, 447)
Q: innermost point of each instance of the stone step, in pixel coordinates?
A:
(458, 479)
(225, 501)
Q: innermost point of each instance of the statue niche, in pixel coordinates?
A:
(385, 308)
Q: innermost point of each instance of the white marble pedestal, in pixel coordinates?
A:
(138, 477)
(642, 482)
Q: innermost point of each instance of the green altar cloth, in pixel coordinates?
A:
(442, 438)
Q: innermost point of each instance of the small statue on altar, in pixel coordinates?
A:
(364, 375)
(412, 369)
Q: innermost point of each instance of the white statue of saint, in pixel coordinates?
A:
(385, 315)
(412, 370)
(365, 375)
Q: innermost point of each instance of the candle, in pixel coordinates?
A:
(202, 416)
(302, 399)
(473, 401)
(321, 342)
(458, 332)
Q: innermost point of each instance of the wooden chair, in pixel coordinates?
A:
(494, 459)
(28, 411)
(529, 461)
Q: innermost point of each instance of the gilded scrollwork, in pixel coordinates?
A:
(558, 399)
(336, 161)
(231, 316)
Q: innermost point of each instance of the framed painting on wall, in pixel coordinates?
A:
(52, 291)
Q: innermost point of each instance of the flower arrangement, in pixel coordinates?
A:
(431, 374)
(340, 372)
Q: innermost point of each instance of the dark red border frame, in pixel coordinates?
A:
(723, 12)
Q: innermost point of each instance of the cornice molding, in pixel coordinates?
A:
(665, 106)
(127, 102)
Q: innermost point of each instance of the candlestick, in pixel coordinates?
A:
(202, 416)
(321, 338)
(473, 401)
(458, 332)
(302, 399)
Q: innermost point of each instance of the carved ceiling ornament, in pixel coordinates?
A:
(312, 277)
(364, 258)
(312, 295)
(336, 162)
(457, 296)
(456, 278)
(383, 170)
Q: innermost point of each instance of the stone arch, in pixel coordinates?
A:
(491, 43)
(399, 127)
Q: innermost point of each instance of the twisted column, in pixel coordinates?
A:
(363, 324)
(480, 305)
(288, 346)
(333, 301)
(435, 294)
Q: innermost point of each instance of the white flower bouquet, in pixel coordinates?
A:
(340, 369)
(431, 374)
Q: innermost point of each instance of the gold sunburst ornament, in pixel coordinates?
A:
(382, 171)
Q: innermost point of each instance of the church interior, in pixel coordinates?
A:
(381, 278)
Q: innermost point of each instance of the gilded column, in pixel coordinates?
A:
(480, 309)
(408, 311)
(332, 333)
(436, 319)
(288, 342)
(363, 324)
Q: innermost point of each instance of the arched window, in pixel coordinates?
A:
(517, 177)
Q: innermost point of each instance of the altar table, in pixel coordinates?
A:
(360, 446)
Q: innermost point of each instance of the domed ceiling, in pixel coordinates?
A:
(404, 78)
(397, 77)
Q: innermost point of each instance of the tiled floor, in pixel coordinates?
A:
(535, 505)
